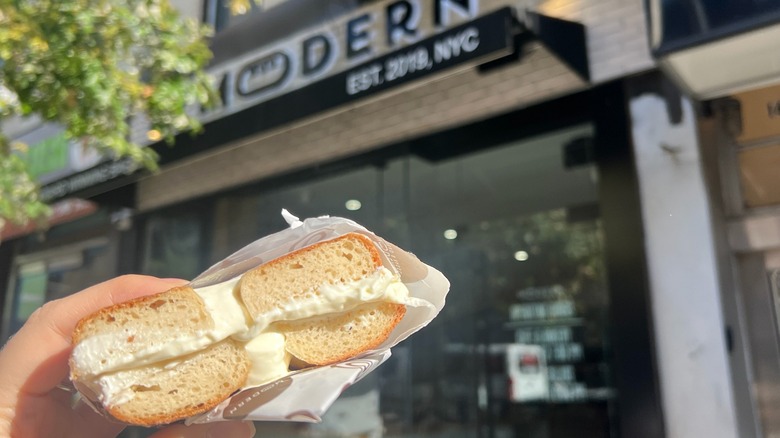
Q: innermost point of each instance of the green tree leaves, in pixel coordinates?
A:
(91, 66)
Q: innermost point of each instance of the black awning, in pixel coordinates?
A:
(501, 40)
(565, 39)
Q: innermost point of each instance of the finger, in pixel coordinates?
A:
(219, 429)
(42, 346)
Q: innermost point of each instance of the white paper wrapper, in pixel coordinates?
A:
(306, 395)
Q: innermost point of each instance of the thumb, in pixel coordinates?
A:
(209, 430)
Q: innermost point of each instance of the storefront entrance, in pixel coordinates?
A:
(523, 347)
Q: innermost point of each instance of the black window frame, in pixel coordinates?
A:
(702, 35)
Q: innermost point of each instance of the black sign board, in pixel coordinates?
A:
(78, 182)
(477, 39)
(482, 39)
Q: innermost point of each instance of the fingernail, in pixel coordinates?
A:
(231, 429)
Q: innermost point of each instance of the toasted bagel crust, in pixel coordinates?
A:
(298, 274)
(146, 309)
(197, 385)
(335, 338)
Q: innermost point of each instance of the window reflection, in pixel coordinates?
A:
(46, 276)
(682, 19)
(521, 345)
(174, 245)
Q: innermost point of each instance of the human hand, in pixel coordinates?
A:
(35, 361)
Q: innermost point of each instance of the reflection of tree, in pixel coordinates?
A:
(486, 277)
(565, 259)
(565, 256)
(560, 252)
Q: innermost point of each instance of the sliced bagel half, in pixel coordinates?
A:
(172, 390)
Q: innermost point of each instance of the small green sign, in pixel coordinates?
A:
(32, 290)
(48, 156)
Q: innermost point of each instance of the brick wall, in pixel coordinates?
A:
(616, 45)
(617, 34)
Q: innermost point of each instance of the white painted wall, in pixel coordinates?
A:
(693, 367)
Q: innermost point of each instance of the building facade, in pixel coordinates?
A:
(532, 151)
(721, 55)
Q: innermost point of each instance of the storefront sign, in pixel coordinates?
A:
(47, 156)
(51, 155)
(380, 46)
(759, 113)
(759, 176)
(455, 46)
(98, 174)
(463, 46)
(257, 102)
(63, 166)
(424, 36)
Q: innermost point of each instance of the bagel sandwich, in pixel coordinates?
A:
(165, 357)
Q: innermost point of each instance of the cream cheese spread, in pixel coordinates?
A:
(224, 308)
(114, 375)
(116, 388)
(382, 285)
(270, 360)
(90, 355)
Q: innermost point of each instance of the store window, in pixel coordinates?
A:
(522, 347)
(174, 244)
(48, 275)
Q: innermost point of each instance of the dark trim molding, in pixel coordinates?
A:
(704, 35)
(566, 39)
(640, 414)
(6, 258)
